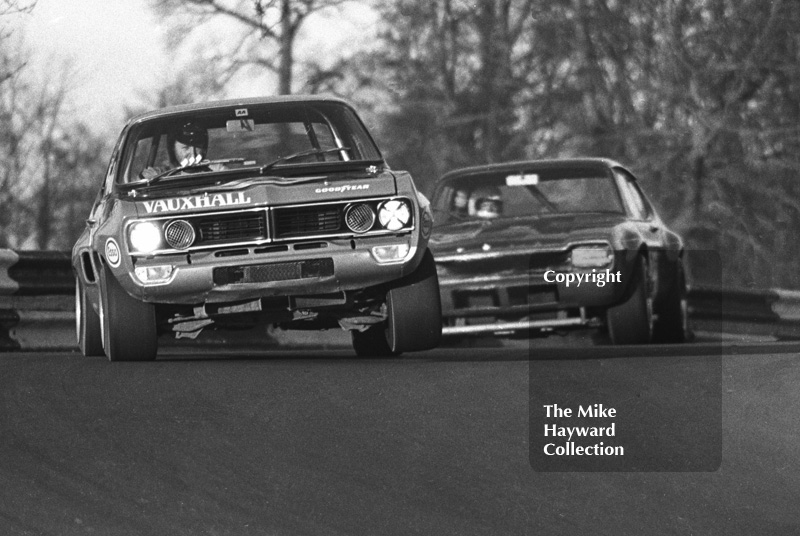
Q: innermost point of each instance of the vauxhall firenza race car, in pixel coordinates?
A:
(528, 248)
(258, 211)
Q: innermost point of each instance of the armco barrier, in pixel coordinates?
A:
(36, 273)
(37, 305)
(773, 312)
(37, 309)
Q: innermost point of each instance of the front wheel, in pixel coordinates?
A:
(631, 322)
(87, 323)
(672, 325)
(413, 316)
(372, 342)
(128, 324)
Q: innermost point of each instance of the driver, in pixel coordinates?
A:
(187, 144)
(486, 203)
(459, 203)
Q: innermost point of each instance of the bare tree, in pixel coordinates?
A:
(46, 118)
(187, 85)
(39, 194)
(700, 97)
(267, 30)
(10, 65)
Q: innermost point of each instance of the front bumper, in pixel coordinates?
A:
(500, 328)
(490, 303)
(299, 268)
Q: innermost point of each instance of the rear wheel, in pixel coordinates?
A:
(87, 323)
(414, 316)
(631, 322)
(128, 324)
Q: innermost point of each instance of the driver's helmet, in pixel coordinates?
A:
(188, 133)
(459, 203)
(486, 202)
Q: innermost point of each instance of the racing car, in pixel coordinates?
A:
(534, 247)
(264, 211)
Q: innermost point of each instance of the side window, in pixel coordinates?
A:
(143, 152)
(648, 209)
(444, 200)
(638, 205)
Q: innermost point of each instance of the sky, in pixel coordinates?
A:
(116, 49)
(112, 47)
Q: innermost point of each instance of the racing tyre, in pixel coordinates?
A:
(87, 323)
(372, 342)
(672, 325)
(414, 309)
(414, 316)
(129, 325)
(631, 322)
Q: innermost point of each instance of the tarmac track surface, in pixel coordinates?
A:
(283, 442)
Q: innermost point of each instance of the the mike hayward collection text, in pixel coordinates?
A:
(568, 447)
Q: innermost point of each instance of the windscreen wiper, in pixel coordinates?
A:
(311, 152)
(201, 164)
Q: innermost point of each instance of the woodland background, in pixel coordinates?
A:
(700, 98)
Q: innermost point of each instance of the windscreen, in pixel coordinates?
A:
(301, 134)
(515, 194)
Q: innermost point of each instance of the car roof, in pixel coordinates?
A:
(250, 101)
(517, 165)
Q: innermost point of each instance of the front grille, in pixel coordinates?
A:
(302, 223)
(550, 260)
(308, 221)
(279, 271)
(533, 295)
(508, 264)
(231, 227)
(500, 301)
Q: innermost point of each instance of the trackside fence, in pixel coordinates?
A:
(37, 300)
(37, 305)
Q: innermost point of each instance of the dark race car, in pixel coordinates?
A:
(526, 248)
(236, 213)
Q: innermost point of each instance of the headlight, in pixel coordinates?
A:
(179, 234)
(145, 236)
(592, 256)
(394, 214)
(359, 218)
